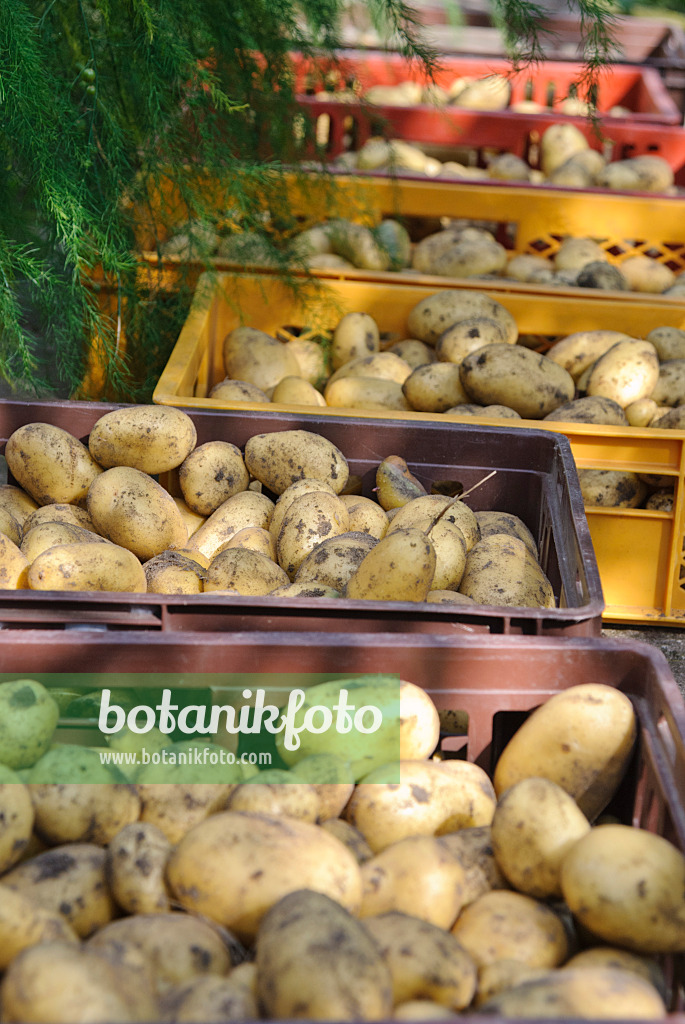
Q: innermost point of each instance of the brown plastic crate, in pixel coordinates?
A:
(535, 479)
(495, 681)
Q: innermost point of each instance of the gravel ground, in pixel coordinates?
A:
(671, 642)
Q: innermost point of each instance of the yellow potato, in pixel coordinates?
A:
(296, 391)
(176, 807)
(14, 565)
(210, 474)
(87, 566)
(260, 360)
(432, 316)
(627, 372)
(503, 925)
(626, 886)
(192, 520)
(17, 502)
(173, 573)
(581, 738)
(214, 999)
(239, 512)
(434, 387)
(400, 567)
(365, 516)
(395, 484)
(16, 814)
(500, 570)
(50, 463)
(279, 458)
(517, 377)
(58, 513)
(614, 488)
(472, 847)
(233, 866)
(356, 335)
(136, 866)
(82, 812)
(365, 393)
(243, 571)
(131, 509)
(286, 797)
(151, 438)
(46, 534)
(334, 560)
(310, 519)
(383, 365)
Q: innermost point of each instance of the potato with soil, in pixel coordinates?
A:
(151, 438)
(365, 516)
(535, 823)
(16, 814)
(335, 559)
(136, 867)
(213, 999)
(434, 387)
(517, 377)
(50, 464)
(366, 393)
(492, 522)
(576, 352)
(24, 923)
(396, 485)
(625, 886)
(591, 409)
(458, 254)
(310, 519)
(472, 847)
(68, 880)
(255, 357)
(315, 960)
(425, 962)
(356, 335)
(503, 925)
(82, 812)
(131, 509)
(400, 567)
(14, 566)
(234, 866)
(581, 738)
(47, 534)
(28, 719)
(280, 458)
(176, 806)
(669, 343)
(173, 573)
(242, 571)
(433, 315)
(466, 336)
(247, 509)
(210, 474)
(500, 570)
(611, 488)
(89, 565)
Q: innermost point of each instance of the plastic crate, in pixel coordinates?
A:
(535, 479)
(639, 89)
(639, 551)
(492, 681)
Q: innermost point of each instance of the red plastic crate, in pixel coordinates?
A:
(639, 89)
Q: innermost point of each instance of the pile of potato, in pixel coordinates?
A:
(418, 889)
(566, 159)
(281, 518)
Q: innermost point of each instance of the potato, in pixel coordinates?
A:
(314, 960)
(500, 570)
(45, 535)
(646, 967)
(508, 167)
(24, 923)
(465, 337)
(61, 983)
(237, 391)
(414, 352)
(452, 254)
(365, 516)
(11, 527)
(501, 975)
(174, 804)
(575, 253)
(358, 244)
(16, 814)
(136, 866)
(558, 144)
(243, 571)
(258, 359)
(576, 352)
(350, 836)
(69, 880)
(173, 573)
(611, 488)
(311, 359)
(210, 474)
(383, 365)
(366, 393)
(535, 823)
(280, 458)
(670, 386)
(581, 738)
(489, 93)
(669, 343)
(517, 377)
(178, 947)
(296, 391)
(431, 798)
(239, 512)
(472, 848)
(131, 509)
(419, 723)
(414, 876)
(17, 502)
(625, 885)
(310, 519)
(356, 335)
(400, 567)
(503, 925)
(192, 520)
(432, 316)
(255, 538)
(425, 961)
(642, 412)
(647, 275)
(308, 485)
(395, 484)
(591, 409)
(434, 387)
(529, 269)
(58, 513)
(210, 999)
(600, 274)
(28, 718)
(287, 797)
(424, 512)
(491, 522)
(448, 597)
(90, 565)
(250, 861)
(671, 419)
(14, 566)
(332, 561)
(50, 464)
(422, 1009)
(591, 992)
(82, 812)
(151, 438)
(661, 501)
(332, 778)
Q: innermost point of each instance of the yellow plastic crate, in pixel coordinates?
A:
(639, 551)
